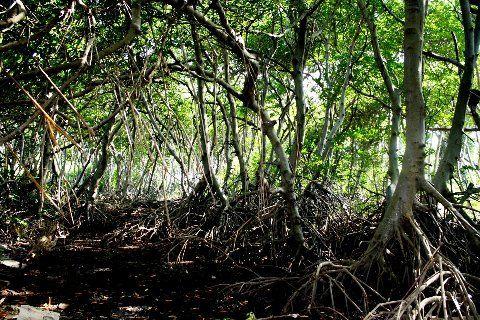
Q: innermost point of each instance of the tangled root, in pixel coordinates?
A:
(440, 291)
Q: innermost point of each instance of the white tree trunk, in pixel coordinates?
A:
(412, 172)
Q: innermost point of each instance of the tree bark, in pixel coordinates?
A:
(90, 187)
(395, 103)
(234, 127)
(234, 42)
(202, 128)
(401, 204)
(298, 64)
(341, 111)
(450, 157)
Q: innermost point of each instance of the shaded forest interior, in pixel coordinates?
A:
(282, 159)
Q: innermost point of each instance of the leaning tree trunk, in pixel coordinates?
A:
(451, 154)
(202, 128)
(234, 128)
(234, 42)
(412, 173)
(298, 64)
(395, 103)
(89, 188)
(329, 143)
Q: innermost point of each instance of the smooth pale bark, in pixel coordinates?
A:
(288, 178)
(326, 122)
(20, 14)
(131, 134)
(161, 138)
(268, 128)
(412, 173)
(234, 127)
(323, 134)
(395, 103)
(234, 42)
(451, 154)
(202, 128)
(393, 169)
(341, 113)
(226, 145)
(298, 64)
(90, 187)
(103, 161)
(327, 149)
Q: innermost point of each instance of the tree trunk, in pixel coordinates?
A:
(395, 103)
(323, 134)
(450, 157)
(235, 43)
(342, 109)
(226, 145)
(298, 64)
(393, 170)
(89, 188)
(161, 139)
(234, 128)
(341, 113)
(412, 172)
(202, 128)
(288, 178)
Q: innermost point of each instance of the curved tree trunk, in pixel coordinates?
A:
(329, 142)
(412, 172)
(235, 44)
(234, 127)
(202, 128)
(89, 188)
(395, 103)
(298, 64)
(451, 155)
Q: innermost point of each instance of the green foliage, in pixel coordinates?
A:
(268, 28)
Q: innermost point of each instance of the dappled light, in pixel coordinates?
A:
(214, 159)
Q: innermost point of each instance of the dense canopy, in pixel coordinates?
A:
(335, 140)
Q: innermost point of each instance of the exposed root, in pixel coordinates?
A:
(440, 290)
(449, 206)
(412, 276)
(335, 274)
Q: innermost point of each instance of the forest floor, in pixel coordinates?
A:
(127, 282)
(127, 264)
(83, 278)
(186, 259)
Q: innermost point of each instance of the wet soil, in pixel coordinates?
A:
(91, 280)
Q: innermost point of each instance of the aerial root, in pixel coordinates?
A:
(430, 189)
(331, 276)
(440, 291)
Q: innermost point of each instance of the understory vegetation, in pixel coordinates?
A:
(238, 159)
